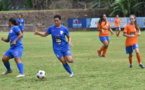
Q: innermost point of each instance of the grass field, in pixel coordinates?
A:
(91, 72)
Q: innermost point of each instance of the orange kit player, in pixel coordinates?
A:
(131, 32)
(117, 25)
(104, 27)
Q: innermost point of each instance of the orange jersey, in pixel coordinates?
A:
(105, 27)
(130, 41)
(117, 22)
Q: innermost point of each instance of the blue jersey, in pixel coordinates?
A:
(21, 24)
(58, 37)
(13, 34)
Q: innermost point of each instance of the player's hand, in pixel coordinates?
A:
(13, 43)
(36, 33)
(70, 44)
(138, 34)
(3, 39)
(102, 30)
(112, 33)
(132, 36)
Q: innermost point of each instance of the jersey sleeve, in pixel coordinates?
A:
(66, 31)
(48, 31)
(125, 29)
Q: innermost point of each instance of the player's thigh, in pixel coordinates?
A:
(62, 60)
(68, 56)
(18, 52)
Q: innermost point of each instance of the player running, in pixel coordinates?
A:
(21, 23)
(131, 32)
(16, 48)
(117, 25)
(104, 27)
(60, 45)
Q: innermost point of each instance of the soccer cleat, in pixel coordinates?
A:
(130, 66)
(20, 75)
(6, 72)
(71, 75)
(141, 65)
(99, 53)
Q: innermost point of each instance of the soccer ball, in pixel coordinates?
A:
(41, 74)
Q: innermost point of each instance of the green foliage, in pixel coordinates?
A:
(91, 72)
(28, 3)
(4, 6)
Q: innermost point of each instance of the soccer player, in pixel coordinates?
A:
(16, 48)
(60, 45)
(131, 32)
(21, 23)
(104, 27)
(117, 25)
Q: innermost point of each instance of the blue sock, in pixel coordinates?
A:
(20, 67)
(7, 65)
(67, 68)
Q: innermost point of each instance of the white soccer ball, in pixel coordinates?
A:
(41, 74)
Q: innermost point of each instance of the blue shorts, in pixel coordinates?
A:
(117, 28)
(16, 52)
(129, 49)
(59, 54)
(103, 38)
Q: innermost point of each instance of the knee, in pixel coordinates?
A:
(130, 55)
(4, 59)
(70, 60)
(106, 46)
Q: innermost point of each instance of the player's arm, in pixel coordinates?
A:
(111, 31)
(139, 32)
(126, 35)
(20, 35)
(5, 40)
(69, 40)
(41, 34)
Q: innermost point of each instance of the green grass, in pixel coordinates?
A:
(91, 72)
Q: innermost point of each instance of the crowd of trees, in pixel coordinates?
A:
(121, 7)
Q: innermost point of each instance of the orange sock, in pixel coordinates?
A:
(130, 60)
(138, 56)
(104, 52)
(101, 49)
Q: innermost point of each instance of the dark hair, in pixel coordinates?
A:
(101, 19)
(57, 16)
(13, 21)
(21, 15)
(136, 25)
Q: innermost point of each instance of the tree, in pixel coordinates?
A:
(127, 7)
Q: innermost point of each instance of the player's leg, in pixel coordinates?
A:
(17, 53)
(61, 58)
(118, 31)
(102, 39)
(20, 66)
(129, 50)
(66, 65)
(138, 56)
(106, 44)
(130, 60)
(5, 60)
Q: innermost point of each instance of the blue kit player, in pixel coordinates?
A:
(21, 22)
(61, 47)
(16, 48)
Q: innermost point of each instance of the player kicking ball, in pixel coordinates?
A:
(61, 47)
